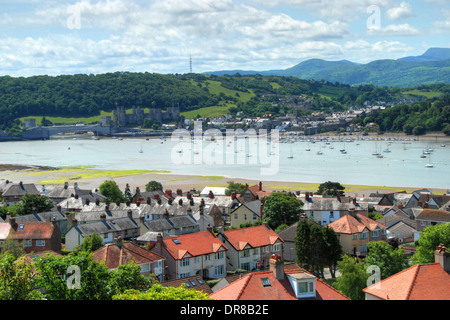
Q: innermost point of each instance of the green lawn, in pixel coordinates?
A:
(427, 94)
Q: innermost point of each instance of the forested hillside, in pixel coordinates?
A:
(414, 118)
(83, 96)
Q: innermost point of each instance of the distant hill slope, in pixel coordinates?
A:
(431, 67)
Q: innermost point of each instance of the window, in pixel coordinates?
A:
(27, 243)
(218, 255)
(266, 249)
(276, 247)
(197, 260)
(305, 287)
(363, 235)
(245, 266)
(363, 248)
(235, 216)
(423, 223)
(265, 282)
(207, 257)
(145, 267)
(185, 275)
(355, 236)
(185, 263)
(331, 215)
(219, 270)
(375, 234)
(40, 243)
(245, 253)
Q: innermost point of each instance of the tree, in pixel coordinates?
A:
(317, 247)
(153, 186)
(111, 191)
(90, 243)
(353, 278)
(128, 276)
(430, 238)
(234, 187)
(332, 189)
(333, 250)
(13, 247)
(281, 208)
(446, 130)
(59, 277)
(33, 203)
(389, 260)
(16, 279)
(159, 292)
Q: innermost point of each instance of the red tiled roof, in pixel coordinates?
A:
(349, 224)
(257, 236)
(250, 287)
(419, 282)
(113, 255)
(194, 244)
(27, 230)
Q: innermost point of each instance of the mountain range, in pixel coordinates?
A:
(431, 67)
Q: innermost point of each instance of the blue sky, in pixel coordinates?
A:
(96, 36)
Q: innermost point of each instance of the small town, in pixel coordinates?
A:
(237, 243)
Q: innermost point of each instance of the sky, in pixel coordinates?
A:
(55, 37)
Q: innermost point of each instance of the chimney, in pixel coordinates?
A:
(180, 202)
(400, 206)
(118, 241)
(130, 213)
(442, 257)
(210, 194)
(87, 202)
(97, 201)
(419, 203)
(425, 206)
(277, 266)
(170, 201)
(12, 221)
(233, 195)
(354, 200)
(166, 214)
(66, 185)
(188, 195)
(149, 201)
(246, 186)
(306, 196)
(260, 186)
(261, 211)
(103, 217)
(179, 192)
(74, 222)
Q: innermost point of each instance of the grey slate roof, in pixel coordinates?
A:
(48, 216)
(331, 204)
(19, 189)
(92, 216)
(160, 225)
(107, 226)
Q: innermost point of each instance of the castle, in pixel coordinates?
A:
(137, 116)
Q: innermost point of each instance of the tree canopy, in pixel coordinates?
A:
(281, 208)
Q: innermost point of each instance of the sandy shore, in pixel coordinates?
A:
(92, 178)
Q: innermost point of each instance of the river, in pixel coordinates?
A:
(288, 161)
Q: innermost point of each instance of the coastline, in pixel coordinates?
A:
(88, 178)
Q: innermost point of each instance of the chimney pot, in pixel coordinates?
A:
(277, 266)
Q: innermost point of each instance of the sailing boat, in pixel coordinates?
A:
(141, 150)
(290, 156)
(429, 164)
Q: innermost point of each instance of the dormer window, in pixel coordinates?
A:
(303, 284)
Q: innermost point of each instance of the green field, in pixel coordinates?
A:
(427, 94)
(215, 87)
(207, 112)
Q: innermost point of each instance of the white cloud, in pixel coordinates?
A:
(394, 30)
(403, 11)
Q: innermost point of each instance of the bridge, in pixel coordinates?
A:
(39, 133)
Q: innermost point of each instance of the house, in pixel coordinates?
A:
(325, 210)
(61, 193)
(14, 192)
(420, 282)
(253, 193)
(122, 252)
(278, 284)
(288, 235)
(172, 226)
(355, 231)
(127, 228)
(57, 217)
(216, 191)
(247, 212)
(431, 217)
(196, 254)
(399, 225)
(33, 236)
(251, 248)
